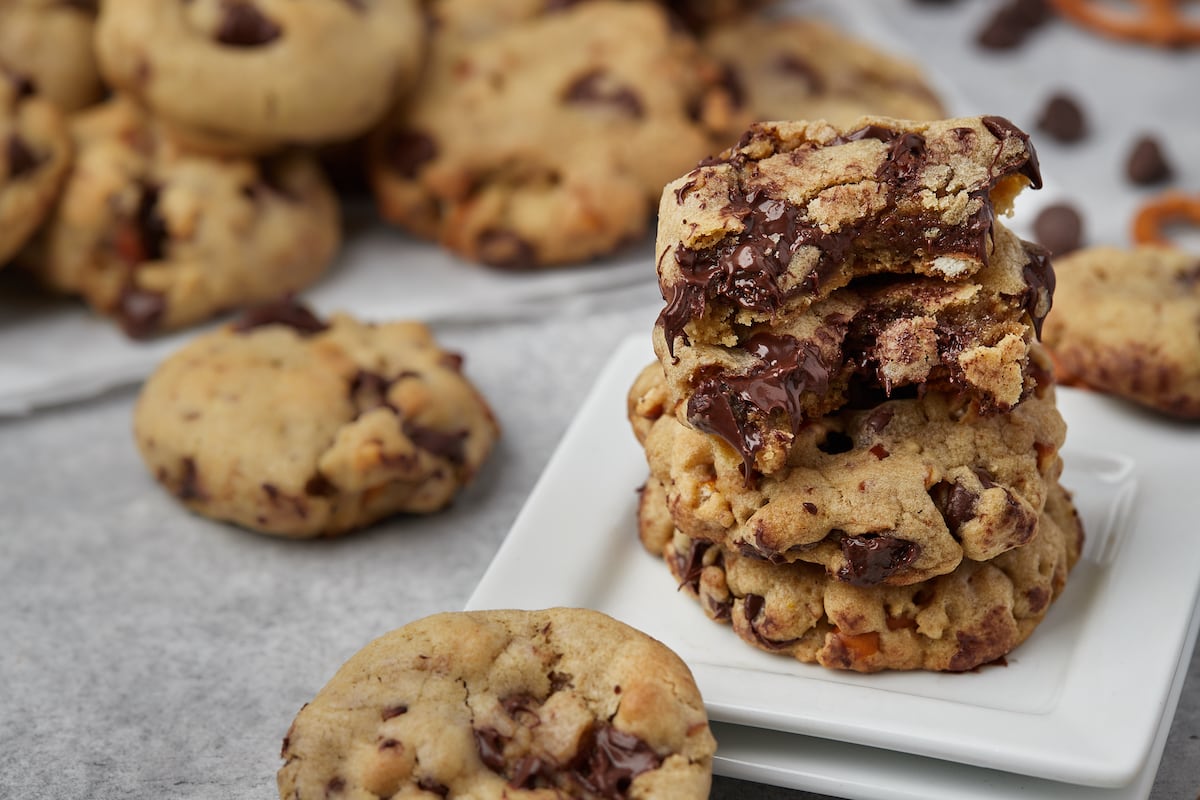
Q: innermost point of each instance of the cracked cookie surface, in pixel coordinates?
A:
(35, 152)
(289, 425)
(504, 704)
(954, 622)
(809, 252)
(894, 493)
(271, 72)
(159, 238)
(545, 140)
(1127, 322)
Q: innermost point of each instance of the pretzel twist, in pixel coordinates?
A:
(1159, 22)
(1168, 208)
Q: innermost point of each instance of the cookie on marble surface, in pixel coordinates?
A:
(286, 424)
(34, 159)
(1126, 322)
(795, 68)
(160, 238)
(248, 76)
(973, 615)
(50, 43)
(801, 214)
(546, 141)
(893, 493)
(504, 704)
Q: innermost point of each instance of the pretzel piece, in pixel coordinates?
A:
(1168, 208)
(1158, 22)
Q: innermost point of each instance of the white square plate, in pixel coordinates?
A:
(1080, 702)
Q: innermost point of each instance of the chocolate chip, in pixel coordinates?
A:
(873, 558)
(151, 225)
(598, 88)
(139, 311)
(1062, 119)
(836, 442)
(22, 84)
(394, 711)
(444, 445)
(506, 250)
(21, 158)
(794, 66)
(1147, 164)
(955, 502)
(433, 787)
(408, 150)
(284, 311)
(336, 785)
(189, 481)
(489, 742)
(1040, 280)
(243, 25)
(1012, 23)
(1059, 229)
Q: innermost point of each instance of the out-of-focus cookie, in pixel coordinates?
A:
(50, 43)
(805, 69)
(288, 425)
(546, 141)
(35, 152)
(504, 704)
(954, 622)
(892, 494)
(161, 238)
(801, 214)
(1126, 322)
(248, 76)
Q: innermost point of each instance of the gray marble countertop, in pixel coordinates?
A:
(146, 652)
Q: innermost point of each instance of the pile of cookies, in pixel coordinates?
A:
(851, 427)
(521, 133)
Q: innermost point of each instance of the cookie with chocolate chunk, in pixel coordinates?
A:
(50, 43)
(954, 622)
(1125, 322)
(290, 425)
(546, 140)
(250, 76)
(805, 69)
(160, 238)
(35, 152)
(882, 493)
(809, 254)
(492, 704)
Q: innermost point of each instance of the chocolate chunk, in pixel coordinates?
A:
(1062, 119)
(369, 391)
(21, 158)
(692, 565)
(873, 558)
(1003, 129)
(22, 84)
(432, 786)
(243, 25)
(151, 226)
(1147, 164)
(614, 759)
(444, 445)
(955, 502)
(734, 87)
(319, 486)
(1059, 229)
(394, 711)
(284, 311)
(336, 785)
(1012, 23)
(189, 481)
(527, 771)
(836, 442)
(787, 368)
(490, 744)
(505, 249)
(408, 150)
(794, 66)
(598, 88)
(140, 311)
(1040, 281)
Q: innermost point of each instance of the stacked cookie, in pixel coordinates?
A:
(851, 431)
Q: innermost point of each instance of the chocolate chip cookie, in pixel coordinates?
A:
(1126, 321)
(35, 153)
(504, 704)
(810, 253)
(795, 68)
(954, 622)
(50, 43)
(160, 238)
(545, 141)
(289, 425)
(895, 493)
(247, 76)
